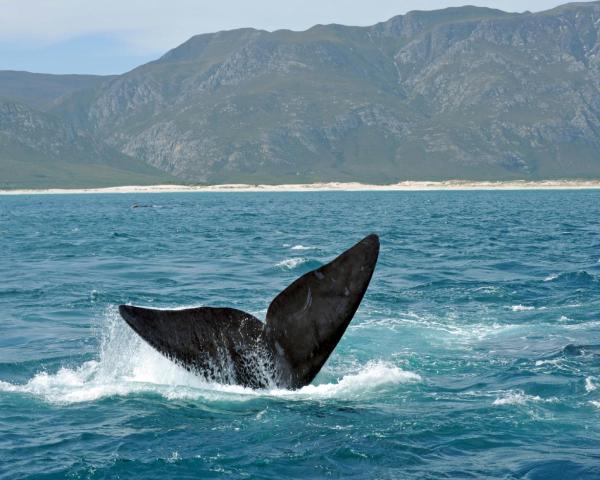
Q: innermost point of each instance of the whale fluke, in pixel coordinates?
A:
(303, 325)
(207, 340)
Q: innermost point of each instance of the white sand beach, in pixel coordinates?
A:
(329, 186)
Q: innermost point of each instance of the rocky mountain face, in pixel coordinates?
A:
(469, 93)
(41, 150)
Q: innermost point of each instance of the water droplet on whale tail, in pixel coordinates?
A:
(220, 344)
(304, 323)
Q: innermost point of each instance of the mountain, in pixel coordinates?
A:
(470, 93)
(40, 90)
(39, 150)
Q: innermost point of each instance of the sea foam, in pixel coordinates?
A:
(589, 385)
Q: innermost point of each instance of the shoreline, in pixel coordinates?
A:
(326, 186)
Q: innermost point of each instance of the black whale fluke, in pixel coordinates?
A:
(304, 324)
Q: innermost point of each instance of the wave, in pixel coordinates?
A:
(520, 398)
(562, 358)
(580, 277)
(126, 365)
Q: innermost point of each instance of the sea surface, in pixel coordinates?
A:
(475, 352)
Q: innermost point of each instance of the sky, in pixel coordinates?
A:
(114, 36)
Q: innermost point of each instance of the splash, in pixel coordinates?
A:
(126, 365)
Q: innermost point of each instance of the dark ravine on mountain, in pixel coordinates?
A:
(470, 93)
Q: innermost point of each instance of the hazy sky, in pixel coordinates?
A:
(113, 36)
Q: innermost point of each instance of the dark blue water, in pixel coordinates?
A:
(475, 353)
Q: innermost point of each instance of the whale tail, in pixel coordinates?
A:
(303, 325)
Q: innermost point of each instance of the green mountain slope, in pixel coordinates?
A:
(40, 151)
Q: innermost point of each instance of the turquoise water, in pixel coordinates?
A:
(475, 353)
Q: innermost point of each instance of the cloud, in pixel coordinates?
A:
(152, 26)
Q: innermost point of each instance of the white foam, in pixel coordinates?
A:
(291, 263)
(516, 399)
(126, 365)
(520, 398)
(595, 403)
(589, 385)
(174, 458)
(300, 247)
(371, 377)
(521, 308)
(549, 278)
(554, 362)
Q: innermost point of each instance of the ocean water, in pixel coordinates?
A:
(475, 352)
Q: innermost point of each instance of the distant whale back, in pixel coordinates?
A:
(304, 323)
